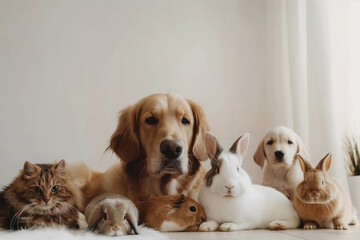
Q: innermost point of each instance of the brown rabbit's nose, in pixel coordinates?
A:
(314, 195)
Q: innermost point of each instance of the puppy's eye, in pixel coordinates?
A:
(270, 142)
(37, 189)
(105, 216)
(151, 120)
(192, 209)
(185, 121)
(125, 217)
(55, 188)
(290, 142)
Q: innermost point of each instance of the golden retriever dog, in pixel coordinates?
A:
(160, 143)
(279, 148)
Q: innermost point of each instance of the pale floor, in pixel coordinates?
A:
(323, 234)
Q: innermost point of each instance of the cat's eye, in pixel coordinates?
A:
(125, 217)
(37, 189)
(105, 216)
(270, 142)
(151, 120)
(192, 209)
(185, 121)
(55, 188)
(290, 142)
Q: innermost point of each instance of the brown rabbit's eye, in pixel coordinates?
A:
(322, 182)
(290, 142)
(105, 216)
(305, 182)
(125, 217)
(270, 142)
(151, 120)
(193, 208)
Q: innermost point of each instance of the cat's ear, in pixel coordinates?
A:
(29, 170)
(60, 167)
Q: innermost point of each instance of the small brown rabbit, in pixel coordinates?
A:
(171, 213)
(112, 214)
(320, 201)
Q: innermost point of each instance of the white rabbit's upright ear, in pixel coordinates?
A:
(213, 148)
(324, 163)
(241, 145)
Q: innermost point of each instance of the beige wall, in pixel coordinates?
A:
(68, 67)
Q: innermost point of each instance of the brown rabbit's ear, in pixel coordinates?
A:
(132, 218)
(305, 165)
(200, 128)
(259, 155)
(179, 201)
(213, 147)
(125, 142)
(324, 163)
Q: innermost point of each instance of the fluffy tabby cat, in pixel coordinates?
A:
(41, 196)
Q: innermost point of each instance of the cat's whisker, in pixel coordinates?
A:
(15, 219)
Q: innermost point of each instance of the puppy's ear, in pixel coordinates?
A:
(125, 141)
(301, 148)
(259, 155)
(200, 128)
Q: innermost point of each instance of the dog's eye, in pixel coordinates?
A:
(290, 142)
(270, 142)
(55, 188)
(185, 121)
(105, 216)
(37, 189)
(151, 120)
(193, 208)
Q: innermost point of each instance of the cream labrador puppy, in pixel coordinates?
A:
(282, 170)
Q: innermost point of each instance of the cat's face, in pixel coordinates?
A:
(44, 187)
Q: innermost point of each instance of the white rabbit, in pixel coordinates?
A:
(231, 202)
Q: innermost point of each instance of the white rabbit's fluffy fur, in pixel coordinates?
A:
(231, 202)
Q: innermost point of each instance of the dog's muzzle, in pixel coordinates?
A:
(171, 151)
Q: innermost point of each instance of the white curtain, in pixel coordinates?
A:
(311, 69)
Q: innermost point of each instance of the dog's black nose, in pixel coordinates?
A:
(279, 154)
(171, 149)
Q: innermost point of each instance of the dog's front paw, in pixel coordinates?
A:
(340, 226)
(208, 226)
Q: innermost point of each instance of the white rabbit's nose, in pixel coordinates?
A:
(229, 186)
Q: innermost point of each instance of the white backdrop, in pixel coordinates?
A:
(67, 68)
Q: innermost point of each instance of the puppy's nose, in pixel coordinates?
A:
(171, 149)
(279, 154)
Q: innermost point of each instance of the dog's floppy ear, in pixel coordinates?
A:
(200, 128)
(301, 148)
(259, 155)
(125, 141)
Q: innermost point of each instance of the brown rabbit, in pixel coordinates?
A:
(171, 213)
(320, 201)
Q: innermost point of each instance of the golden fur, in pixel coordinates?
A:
(139, 175)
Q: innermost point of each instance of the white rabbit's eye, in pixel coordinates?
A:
(217, 170)
(238, 169)
(125, 217)
(322, 182)
(270, 142)
(105, 216)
